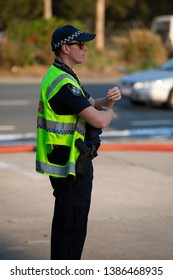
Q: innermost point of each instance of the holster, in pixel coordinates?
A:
(86, 155)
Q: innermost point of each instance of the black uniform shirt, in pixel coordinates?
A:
(67, 102)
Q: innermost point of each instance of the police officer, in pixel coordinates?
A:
(68, 127)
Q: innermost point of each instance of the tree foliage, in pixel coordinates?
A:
(120, 14)
(27, 34)
(13, 10)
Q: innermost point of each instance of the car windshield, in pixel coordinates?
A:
(168, 66)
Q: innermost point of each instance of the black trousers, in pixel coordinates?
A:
(69, 224)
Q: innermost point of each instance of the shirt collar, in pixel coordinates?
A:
(65, 68)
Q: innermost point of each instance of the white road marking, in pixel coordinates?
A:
(160, 131)
(157, 131)
(114, 133)
(14, 102)
(4, 165)
(152, 122)
(34, 175)
(20, 136)
(147, 132)
(7, 127)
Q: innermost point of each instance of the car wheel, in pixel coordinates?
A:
(170, 100)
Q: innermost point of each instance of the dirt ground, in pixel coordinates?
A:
(37, 71)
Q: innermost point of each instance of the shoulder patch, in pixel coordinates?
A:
(76, 91)
(41, 107)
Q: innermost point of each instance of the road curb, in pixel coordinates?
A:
(137, 147)
(163, 147)
(19, 148)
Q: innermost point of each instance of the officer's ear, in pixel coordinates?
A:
(65, 48)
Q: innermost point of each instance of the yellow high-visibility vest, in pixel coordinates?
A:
(54, 129)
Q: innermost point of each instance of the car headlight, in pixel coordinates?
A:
(141, 85)
(158, 83)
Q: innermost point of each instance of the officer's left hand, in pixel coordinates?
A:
(114, 94)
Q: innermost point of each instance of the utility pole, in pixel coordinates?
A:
(100, 25)
(47, 9)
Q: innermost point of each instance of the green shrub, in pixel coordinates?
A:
(141, 50)
(28, 42)
(100, 61)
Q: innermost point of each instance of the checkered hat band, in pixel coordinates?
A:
(68, 39)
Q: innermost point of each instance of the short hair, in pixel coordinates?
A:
(57, 51)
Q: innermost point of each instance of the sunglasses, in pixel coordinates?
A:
(80, 44)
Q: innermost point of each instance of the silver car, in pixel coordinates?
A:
(150, 86)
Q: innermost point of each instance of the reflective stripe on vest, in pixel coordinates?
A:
(54, 170)
(56, 81)
(60, 128)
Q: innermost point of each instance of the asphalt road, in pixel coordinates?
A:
(18, 110)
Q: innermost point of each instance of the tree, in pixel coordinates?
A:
(100, 25)
(47, 9)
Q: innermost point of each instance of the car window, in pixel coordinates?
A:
(168, 66)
